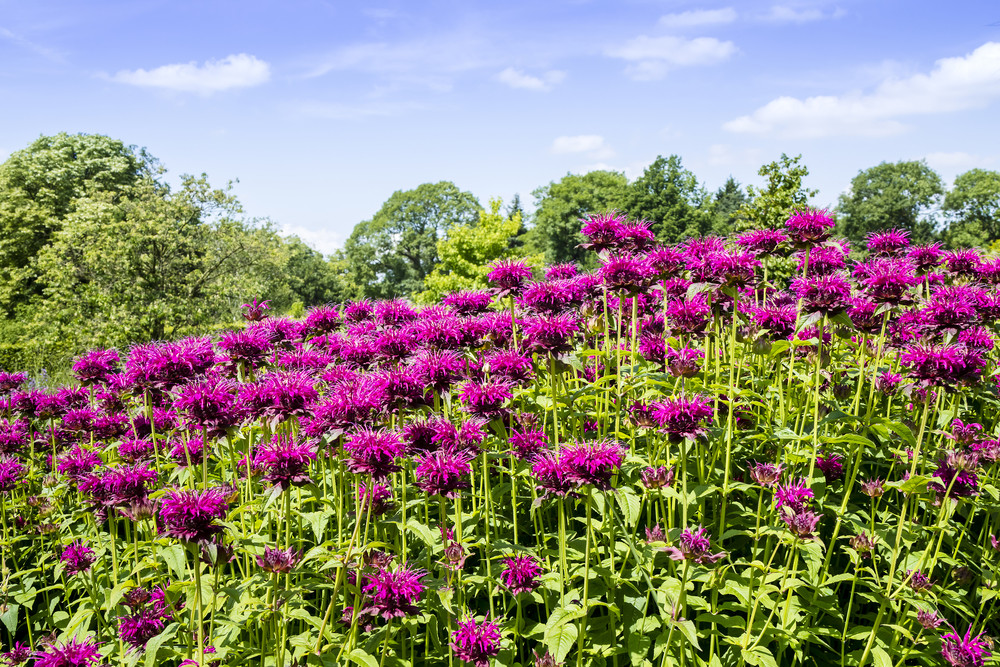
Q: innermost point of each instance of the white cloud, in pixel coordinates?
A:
(699, 17)
(652, 57)
(325, 241)
(234, 71)
(954, 84)
(593, 145)
(517, 79)
(787, 14)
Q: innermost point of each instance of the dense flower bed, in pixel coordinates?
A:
(671, 461)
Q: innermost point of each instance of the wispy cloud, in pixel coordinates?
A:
(653, 57)
(515, 78)
(34, 47)
(235, 71)
(954, 84)
(790, 14)
(699, 17)
(594, 146)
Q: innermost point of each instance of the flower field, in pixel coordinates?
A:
(752, 450)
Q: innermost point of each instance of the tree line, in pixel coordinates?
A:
(97, 250)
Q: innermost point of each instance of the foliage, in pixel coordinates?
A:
(973, 205)
(892, 195)
(561, 204)
(726, 204)
(41, 184)
(670, 197)
(467, 251)
(391, 254)
(783, 194)
(312, 278)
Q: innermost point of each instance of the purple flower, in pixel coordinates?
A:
(593, 463)
(486, 399)
(358, 311)
(509, 365)
(824, 294)
(626, 273)
(254, 311)
(942, 364)
(374, 452)
(962, 262)
(890, 242)
(794, 495)
(731, 269)
(684, 362)
(683, 417)
(886, 280)
(149, 614)
(550, 297)
(635, 236)
(873, 488)
(191, 516)
(279, 561)
(18, 654)
(926, 257)
(68, 654)
(863, 543)
(285, 461)
(394, 592)
(393, 313)
(443, 473)
(694, 546)
(602, 230)
(378, 501)
(136, 449)
(527, 443)
(468, 302)
(762, 241)
(11, 381)
(553, 474)
(831, 465)
(765, 474)
(659, 477)
(508, 275)
(802, 523)
(476, 643)
(11, 473)
(809, 227)
(967, 651)
(77, 462)
(77, 558)
(929, 620)
(245, 346)
(561, 271)
(688, 316)
(520, 574)
(666, 261)
(779, 319)
(550, 333)
(192, 449)
(208, 404)
(96, 366)
(323, 319)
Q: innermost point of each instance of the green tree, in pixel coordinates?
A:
(670, 197)
(41, 184)
(891, 195)
(390, 254)
(155, 265)
(973, 206)
(312, 278)
(770, 206)
(726, 204)
(467, 251)
(559, 207)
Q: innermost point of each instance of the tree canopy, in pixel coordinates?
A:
(768, 207)
(892, 195)
(391, 254)
(670, 197)
(973, 206)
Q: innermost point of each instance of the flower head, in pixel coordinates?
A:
(191, 515)
(593, 462)
(77, 558)
(71, 653)
(394, 592)
(694, 546)
(762, 241)
(96, 366)
(443, 472)
(476, 643)
(508, 275)
(810, 226)
(279, 561)
(765, 474)
(285, 461)
(11, 472)
(965, 651)
(520, 574)
(550, 333)
(683, 417)
(374, 452)
(602, 230)
(890, 242)
(793, 495)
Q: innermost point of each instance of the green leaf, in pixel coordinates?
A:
(154, 644)
(630, 505)
(560, 639)
(9, 618)
(362, 657)
(175, 557)
(881, 658)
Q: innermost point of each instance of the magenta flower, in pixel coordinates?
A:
(802, 523)
(831, 465)
(942, 364)
(554, 475)
(279, 561)
(509, 365)
(358, 311)
(394, 592)
(659, 477)
(684, 362)
(593, 463)
(561, 271)
(11, 381)
(374, 452)
(508, 275)
(765, 474)
(550, 297)
(929, 620)
(19, 653)
(550, 333)
(730, 269)
(694, 546)
(794, 495)
(762, 241)
(809, 227)
(891, 242)
(965, 651)
(476, 643)
(191, 516)
(626, 273)
(393, 313)
(688, 316)
(254, 311)
(77, 462)
(285, 461)
(486, 399)
(71, 653)
(443, 473)
(149, 615)
(527, 443)
(683, 416)
(666, 261)
(77, 558)
(962, 262)
(378, 501)
(208, 404)
(602, 230)
(192, 449)
(96, 366)
(520, 574)
(926, 257)
(824, 294)
(11, 472)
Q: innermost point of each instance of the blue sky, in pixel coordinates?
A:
(323, 109)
